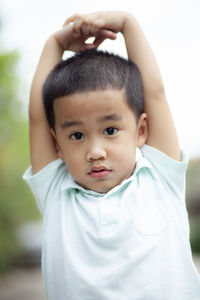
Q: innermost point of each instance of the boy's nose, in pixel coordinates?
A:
(96, 153)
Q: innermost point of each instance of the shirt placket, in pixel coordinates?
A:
(109, 213)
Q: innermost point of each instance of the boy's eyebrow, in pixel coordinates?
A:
(68, 124)
(111, 117)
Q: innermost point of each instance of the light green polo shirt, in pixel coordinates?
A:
(131, 243)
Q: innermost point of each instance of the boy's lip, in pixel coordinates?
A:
(99, 172)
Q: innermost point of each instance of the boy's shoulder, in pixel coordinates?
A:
(161, 161)
(165, 174)
(53, 169)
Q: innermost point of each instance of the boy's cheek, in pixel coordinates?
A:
(73, 165)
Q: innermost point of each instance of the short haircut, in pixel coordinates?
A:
(91, 70)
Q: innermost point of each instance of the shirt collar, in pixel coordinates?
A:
(142, 163)
(69, 182)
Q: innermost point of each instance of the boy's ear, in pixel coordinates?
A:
(56, 144)
(142, 131)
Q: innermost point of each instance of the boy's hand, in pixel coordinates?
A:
(84, 24)
(69, 39)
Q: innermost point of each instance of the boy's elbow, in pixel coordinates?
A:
(155, 89)
(36, 117)
(156, 94)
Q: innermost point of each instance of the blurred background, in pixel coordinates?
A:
(173, 30)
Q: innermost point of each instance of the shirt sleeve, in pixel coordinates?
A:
(170, 171)
(46, 182)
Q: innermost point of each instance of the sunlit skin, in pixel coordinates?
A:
(97, 134)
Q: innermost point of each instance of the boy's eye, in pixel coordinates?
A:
(77, 136)
(110, 131)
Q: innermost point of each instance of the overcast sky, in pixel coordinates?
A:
(172, 28)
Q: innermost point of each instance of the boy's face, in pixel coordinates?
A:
(97, 136)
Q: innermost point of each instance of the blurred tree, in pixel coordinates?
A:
(193, 202)
(193, 187)
(16, 201)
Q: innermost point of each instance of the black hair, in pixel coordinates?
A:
(91, 70)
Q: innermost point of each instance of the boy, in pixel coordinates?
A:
(113, 228)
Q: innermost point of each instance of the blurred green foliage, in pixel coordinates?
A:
(193, 202)
(195, 234)
(16, 201)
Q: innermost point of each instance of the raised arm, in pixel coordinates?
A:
(161, 130)
(42, 147)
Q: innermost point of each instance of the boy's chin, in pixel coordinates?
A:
(99, 187)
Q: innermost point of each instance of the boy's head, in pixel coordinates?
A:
(92, 70)
(94, 105)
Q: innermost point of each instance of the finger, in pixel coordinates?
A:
(89, 46)
(71, 19)
(94, 30)
(99, 22)
(108, 34)
(85, 29)
(67, 21)
(98, 41)
(77, 27)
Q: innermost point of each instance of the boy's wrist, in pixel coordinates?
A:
(53, 42)
(129, 19)
(53, 46)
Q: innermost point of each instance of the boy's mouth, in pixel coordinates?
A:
(99, 172)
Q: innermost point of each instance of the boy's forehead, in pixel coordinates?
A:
(100, 99)
(97, 105)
